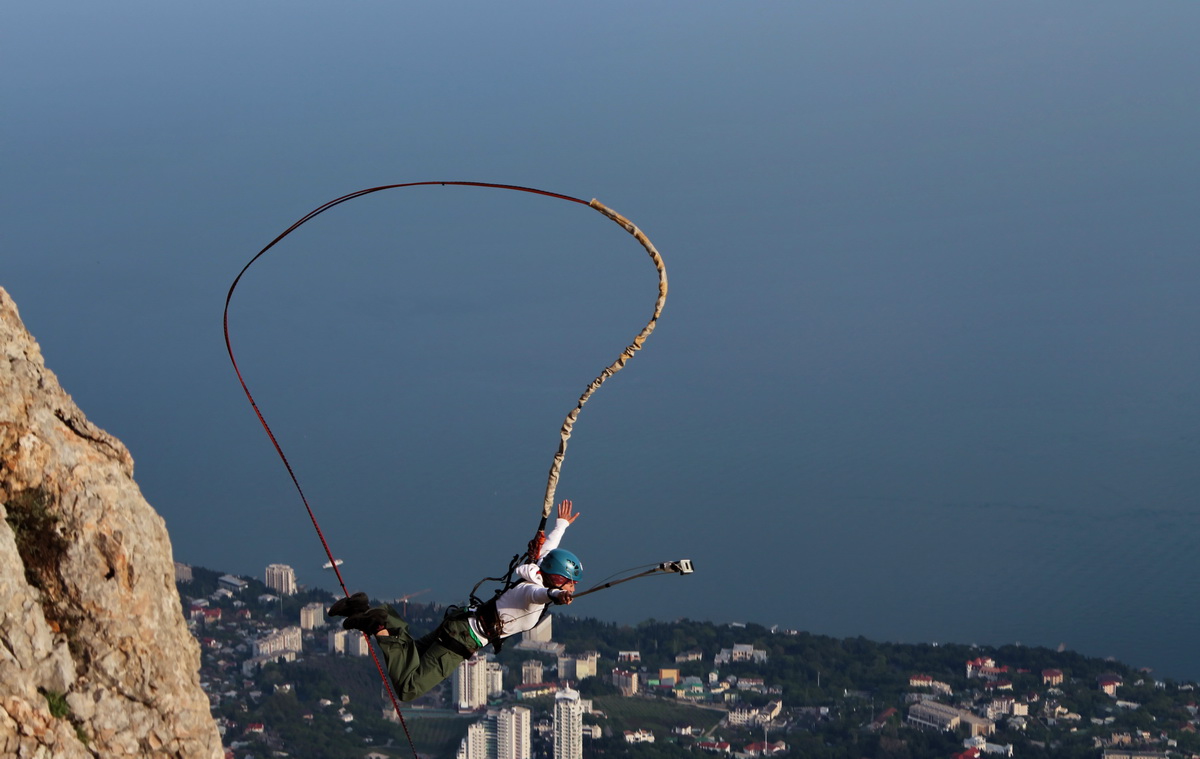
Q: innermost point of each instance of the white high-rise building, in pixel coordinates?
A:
(470, 684)
(357, 644)
(495, 679)
(513, 729)
(475, 681)
(337, 641)
(543, 633)
(281, 578)
(505, 733)
(577, 666)
(531, 672)
(568, 725)
(474, 744)
(312, 616)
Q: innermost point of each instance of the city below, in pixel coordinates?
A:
(284, 679)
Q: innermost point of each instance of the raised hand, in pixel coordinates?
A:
(564, 511)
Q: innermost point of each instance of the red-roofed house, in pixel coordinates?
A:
(716, 747)
(639, 736)
(533, 690)
(992, 673)
(975, 665)
(882, 719)
(765, 749)
(1052, 677)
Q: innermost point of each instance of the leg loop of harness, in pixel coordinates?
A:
(459, 617)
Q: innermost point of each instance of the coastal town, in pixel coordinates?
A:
(276, 669)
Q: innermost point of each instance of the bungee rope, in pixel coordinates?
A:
(610, 370)
(534, 549)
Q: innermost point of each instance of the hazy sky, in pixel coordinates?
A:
(928, 369)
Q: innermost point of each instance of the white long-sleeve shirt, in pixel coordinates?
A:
(520, 608)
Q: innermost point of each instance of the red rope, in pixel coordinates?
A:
(278, 449)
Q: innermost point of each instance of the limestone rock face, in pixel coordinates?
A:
(95, 657)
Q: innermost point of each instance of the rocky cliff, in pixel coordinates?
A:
(95, 657)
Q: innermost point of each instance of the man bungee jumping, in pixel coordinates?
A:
(416, 665)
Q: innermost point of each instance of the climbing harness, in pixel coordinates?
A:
(533, 551)
(486, 611)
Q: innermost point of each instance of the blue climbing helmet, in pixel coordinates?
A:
(561, 562)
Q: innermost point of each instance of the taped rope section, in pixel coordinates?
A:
(614, 367)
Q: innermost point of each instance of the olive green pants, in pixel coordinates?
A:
(416, 666)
